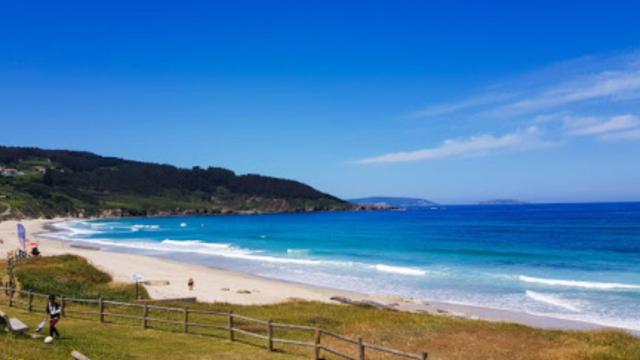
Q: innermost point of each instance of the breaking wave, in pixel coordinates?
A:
(400, 270)
(553, 300)
(579, 284)
(73, 232)
(138, 227)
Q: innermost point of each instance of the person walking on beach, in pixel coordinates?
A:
(190, 284)
(54, 310)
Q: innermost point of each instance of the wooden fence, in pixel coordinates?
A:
(227, 322)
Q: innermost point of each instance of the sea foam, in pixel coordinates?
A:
(138, 227)
(195, 243)
(580, 284)
(69, 230)
(230, 251)
(553, 300)
(400, 270)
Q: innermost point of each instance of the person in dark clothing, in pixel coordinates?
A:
(54, 310)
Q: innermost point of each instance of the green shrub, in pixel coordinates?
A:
(73, 276)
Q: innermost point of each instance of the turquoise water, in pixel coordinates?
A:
(570, 261)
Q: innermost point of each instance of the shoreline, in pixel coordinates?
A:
(220, 285)
(118, 214)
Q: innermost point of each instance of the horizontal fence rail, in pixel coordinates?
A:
(228, 322)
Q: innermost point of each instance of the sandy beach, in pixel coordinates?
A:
(168, 280)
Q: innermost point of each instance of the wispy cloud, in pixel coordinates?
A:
(593, 126)
(610, 86)
(593, 79)
(473, 146)
(577, 98)
(474, 102)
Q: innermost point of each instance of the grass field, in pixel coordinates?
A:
(443, 337)
(112, 341)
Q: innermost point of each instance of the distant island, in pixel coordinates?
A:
(396, 202)
(502, 202)
(47, 183)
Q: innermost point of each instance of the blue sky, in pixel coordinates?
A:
(452, 101)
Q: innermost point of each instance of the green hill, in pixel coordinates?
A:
(37, 182)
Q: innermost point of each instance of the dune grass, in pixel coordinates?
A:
(72, 276)
(443, 337)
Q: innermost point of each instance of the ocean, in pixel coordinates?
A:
(569, 261)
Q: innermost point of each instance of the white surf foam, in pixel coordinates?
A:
(229, 251)
(553, 300)
(168, 245)
(71, 229)
(195, 243)
(106, 225)
(400, 270)
(200, 247)
(75, 231)
(579, 284)
(138, 227)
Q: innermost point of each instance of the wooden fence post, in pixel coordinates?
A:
(101, 309)
(145, 315)
(231, 326)
(30, 300)
(186, 320)
(63, 306)
(270, 335)
(316, 346)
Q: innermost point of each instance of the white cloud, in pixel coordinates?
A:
(597, 81)
(608, 85)
(567, 100)
(443, 109)
(472, 146)
(591, 126)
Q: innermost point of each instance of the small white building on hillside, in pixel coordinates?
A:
(9, 172)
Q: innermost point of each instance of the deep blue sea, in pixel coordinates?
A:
(571, 261)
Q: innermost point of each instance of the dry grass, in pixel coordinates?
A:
(443, 337)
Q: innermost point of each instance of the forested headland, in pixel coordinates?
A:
(46, 183)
